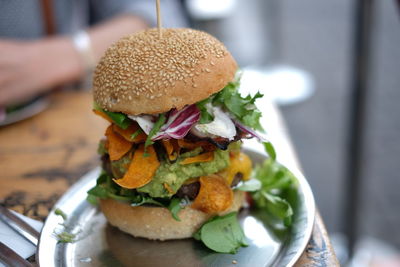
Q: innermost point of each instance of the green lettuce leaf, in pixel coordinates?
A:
(222, 234)
(118, 118)
(136, 133)
(277, 185)
(249, 186)
(269, 148)
(107, 188)
(175, 206)
(140, 200)
(65, 237)
(157, 126)
(205, 116)
(59, 212)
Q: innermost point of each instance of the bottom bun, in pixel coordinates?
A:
(157, 222)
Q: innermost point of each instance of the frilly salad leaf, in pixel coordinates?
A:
(242, 108)
(277, 184)
(222, 234)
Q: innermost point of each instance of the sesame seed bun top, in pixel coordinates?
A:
(145, 74)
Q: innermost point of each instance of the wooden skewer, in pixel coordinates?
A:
(158, 18)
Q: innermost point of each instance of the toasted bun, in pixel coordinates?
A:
(157, 222)
(144, 73)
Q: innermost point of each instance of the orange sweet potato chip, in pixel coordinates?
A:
(205, 157)
(185, 144)
(141, 169)
(191, 145)
(214, 196)
(116, 144)
(168, 188)
(239, 163)
(102, 114)
(127, 133)
(207, 146)
(172, 148)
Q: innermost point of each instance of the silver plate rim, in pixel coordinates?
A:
(310, 213)
(26, 112)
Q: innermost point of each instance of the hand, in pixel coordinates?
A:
(28, 68)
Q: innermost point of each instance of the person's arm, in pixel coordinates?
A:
(28, 68)
(104, 34)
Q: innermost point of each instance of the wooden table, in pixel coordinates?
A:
(44, 155)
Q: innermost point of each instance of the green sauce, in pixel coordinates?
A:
(175, 174)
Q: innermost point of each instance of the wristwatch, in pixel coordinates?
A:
(83, 46)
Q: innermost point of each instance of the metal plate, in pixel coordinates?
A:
(29, 110)
(102, 245)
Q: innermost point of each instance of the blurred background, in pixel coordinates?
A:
(315, 39)
(299, 53)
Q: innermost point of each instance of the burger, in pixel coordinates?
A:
(171, 156)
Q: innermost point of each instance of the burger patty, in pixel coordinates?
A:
(186, 191)
(192, 190)
(236, 180)
(189, 190)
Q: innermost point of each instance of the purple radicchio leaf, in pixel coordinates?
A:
(179, 123)
(250, 131)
